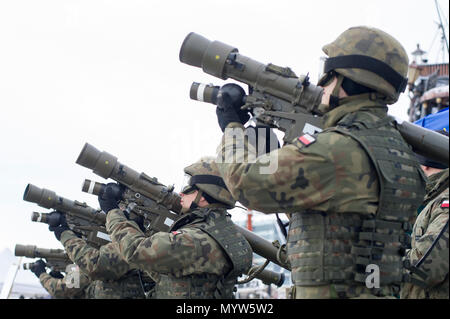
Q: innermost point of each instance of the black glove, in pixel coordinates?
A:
(229, 102)
(139, 220)
(110, 196)
(59, 229)
(55, 218)
(38, 267)
(56, 274)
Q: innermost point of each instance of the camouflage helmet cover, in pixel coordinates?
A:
(375, 44)
(206, 166)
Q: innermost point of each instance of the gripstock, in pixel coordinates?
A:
(106, 165)
(271, 251)
(156, 217)
(277, 98)
(423, 141)
(81, 218)
(55, 259)
(280, 99)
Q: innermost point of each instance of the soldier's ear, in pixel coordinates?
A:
(203, 202)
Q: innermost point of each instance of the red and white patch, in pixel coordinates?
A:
(176, 232)
(444, 204)
(306, 139)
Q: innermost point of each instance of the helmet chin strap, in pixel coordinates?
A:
(195, 202)
(334, 97)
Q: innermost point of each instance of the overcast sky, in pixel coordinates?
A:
(108, 73)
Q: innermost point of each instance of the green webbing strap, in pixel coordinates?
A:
(384, 238)
(384, 279)
(327, 276)
(371, 251)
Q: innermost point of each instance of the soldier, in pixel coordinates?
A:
(202, 255)
(429, 246)
(56, 285)
(350, 190)
(114, 277)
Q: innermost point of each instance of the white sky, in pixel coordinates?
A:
(108, 73)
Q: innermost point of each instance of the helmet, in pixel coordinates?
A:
(204, 174)
(369, 57)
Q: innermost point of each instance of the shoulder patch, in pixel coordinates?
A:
(306, 139)
(174, 233)
(445, 203)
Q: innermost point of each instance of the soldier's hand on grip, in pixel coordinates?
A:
(55, 218)
(56, 274)
(59, 228)
(229, 102)
(110, 197)
(38, 267)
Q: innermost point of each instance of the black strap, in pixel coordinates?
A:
(370, 64)
(207, 179)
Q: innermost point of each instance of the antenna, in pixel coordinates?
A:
(441, 26)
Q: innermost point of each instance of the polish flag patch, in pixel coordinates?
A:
(306, 139)
(444, 204)
(176, 232)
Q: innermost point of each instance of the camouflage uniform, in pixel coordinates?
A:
(332, 184)
(199, 258)
(115, 278)
(429, 224)
(57, 288)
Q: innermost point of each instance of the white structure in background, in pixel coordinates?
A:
(265, 226)
(16, 282)
(10, 277)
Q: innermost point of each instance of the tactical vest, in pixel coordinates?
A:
(335, 248)
(217, 224)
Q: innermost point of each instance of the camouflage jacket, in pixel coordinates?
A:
(114, 277)
(99, 264)
(60, 289)
(187, 251)
(330, 173)
(428, 225)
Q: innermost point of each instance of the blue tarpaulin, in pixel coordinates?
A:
(436, 121)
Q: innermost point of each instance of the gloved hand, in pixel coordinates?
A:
(229, 102)
(110, 196)
(139, 220)
(59, 229)
(54, 218)
(56, 274)
(38, 267)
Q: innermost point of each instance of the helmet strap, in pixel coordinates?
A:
(197, 198)
(334, 97)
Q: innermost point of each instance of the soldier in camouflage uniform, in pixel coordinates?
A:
(114, 277)
(202, 255)
(350, 190)
(429, 274)
(56, 285)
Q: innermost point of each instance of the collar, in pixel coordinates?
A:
(352, 104)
